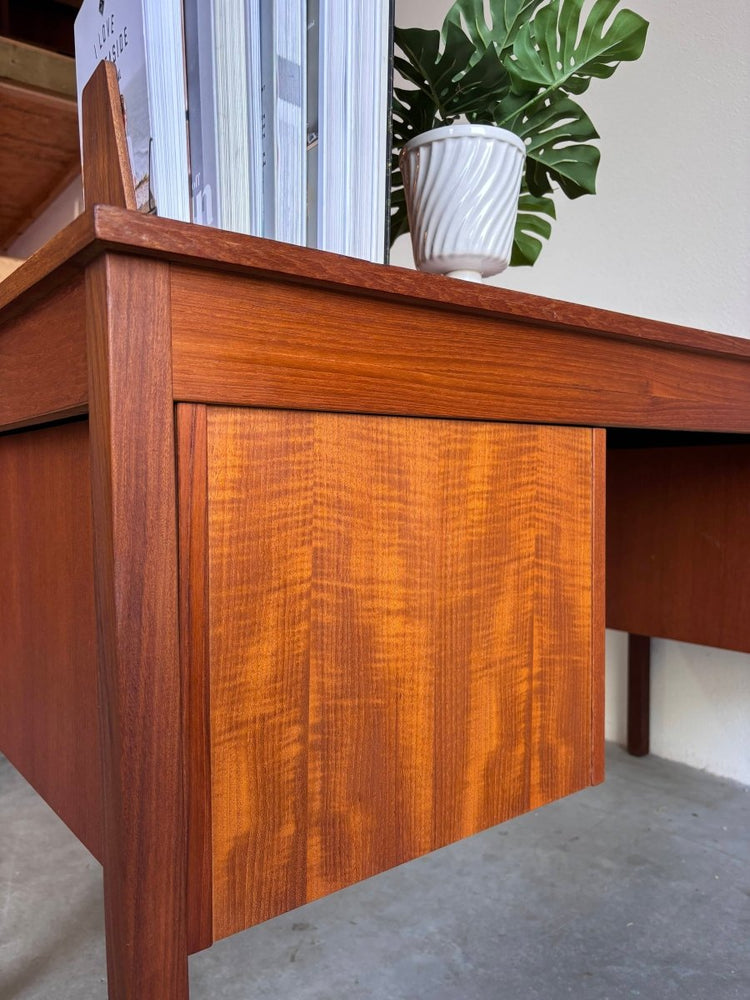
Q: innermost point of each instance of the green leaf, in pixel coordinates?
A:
(549, 53)
(444, 70)
(530, 225)
(506, 18)
(413, 113)
(558, 149)
(399, 216)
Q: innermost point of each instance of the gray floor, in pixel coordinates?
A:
(638, 888)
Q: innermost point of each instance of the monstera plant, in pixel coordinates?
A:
(522, 70)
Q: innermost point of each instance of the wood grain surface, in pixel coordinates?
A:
(678, 545)
(107, 172)
(263, 323)
(39, 153)
(202, 247)
(246, 341)
(43, 360)
(598, 599)
(400, 641)
(48, 676)
(37, 68)
(135, 575)
(59, 263)
(192, 486)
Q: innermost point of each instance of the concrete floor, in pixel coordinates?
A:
(638, 888)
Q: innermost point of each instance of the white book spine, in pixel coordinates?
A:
(231, 112)
(284, 41)
(354, 115)
(165, 66)
(199, 62)
(255, 113)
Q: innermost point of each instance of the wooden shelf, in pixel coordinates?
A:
(39, 150)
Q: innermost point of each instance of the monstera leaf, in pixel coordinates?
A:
(530, 225)
(552, 52)
(442, 68)
(515, 63)
(399, 221)
(507, 16)
(557, 135)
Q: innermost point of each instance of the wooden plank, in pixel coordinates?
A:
(192, 495)
(58, 263)
(43, 360)
(113, 229)
(39, 154)
(38, 69)
(107, 173)
(135, 573)
(385, 608)
(202, 247)
(244, 341)
(598, 592)
(48, 676)
(678, 543)
(277, 329)
(560, 705)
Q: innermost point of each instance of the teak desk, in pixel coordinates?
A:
(303, 559)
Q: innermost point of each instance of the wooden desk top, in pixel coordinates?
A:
(261, 323)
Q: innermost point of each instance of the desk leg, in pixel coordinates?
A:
(639, 694)
(135, 571)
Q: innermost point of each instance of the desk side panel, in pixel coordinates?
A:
(48, 679)
(43, 372)
(400, 621)
(678, 543)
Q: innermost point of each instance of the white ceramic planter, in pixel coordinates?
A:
(462, 184)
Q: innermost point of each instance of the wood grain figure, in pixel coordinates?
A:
(107, 172)
(290, 346)
(135, 582)
(192, 483)
(401, 654)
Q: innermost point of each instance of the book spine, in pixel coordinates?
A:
(268, 134)
(201, 118)
(253, 82)
(232, 121)
(356, 60)
(283, 56)
(165, 69)
(313, 110)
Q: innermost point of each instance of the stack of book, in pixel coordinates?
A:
(266, 117)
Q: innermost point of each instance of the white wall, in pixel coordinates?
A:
(65, 207)
(667, 236)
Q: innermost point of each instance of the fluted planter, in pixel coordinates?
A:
(462, 184)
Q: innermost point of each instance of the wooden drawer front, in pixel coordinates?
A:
(399, 641)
